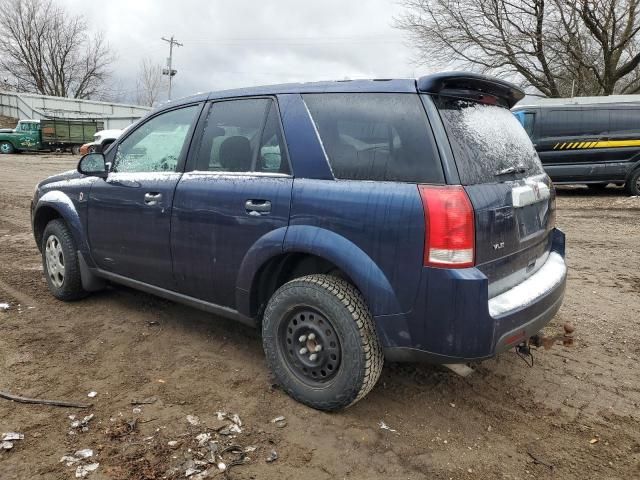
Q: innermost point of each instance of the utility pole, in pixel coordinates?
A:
(169, 70)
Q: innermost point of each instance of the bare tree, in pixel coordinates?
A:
(46, 50)
(150, 83)
(585, 47)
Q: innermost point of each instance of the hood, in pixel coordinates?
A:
(68, 175)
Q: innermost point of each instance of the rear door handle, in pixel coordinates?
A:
(257, 207)
(152, 198)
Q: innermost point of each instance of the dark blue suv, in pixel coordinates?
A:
(352, 222)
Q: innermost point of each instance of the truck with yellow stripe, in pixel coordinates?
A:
(588, 140)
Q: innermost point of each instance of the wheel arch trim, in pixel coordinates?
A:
(367, 277)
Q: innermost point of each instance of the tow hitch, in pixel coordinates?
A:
(524, 349)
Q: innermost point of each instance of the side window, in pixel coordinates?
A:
(575, 122)
(232, 135)
(528, 123)
(156, 145)
(272, 156)
(372, 136)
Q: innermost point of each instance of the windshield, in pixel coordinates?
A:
(488, 142)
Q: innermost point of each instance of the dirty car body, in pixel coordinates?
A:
(424, 200)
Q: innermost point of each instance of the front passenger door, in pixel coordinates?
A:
(129, 215)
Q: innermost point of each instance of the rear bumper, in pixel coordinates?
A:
(454, 320)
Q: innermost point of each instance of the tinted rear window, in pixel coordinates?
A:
(486, 140)
(373, 136)
(575, 122)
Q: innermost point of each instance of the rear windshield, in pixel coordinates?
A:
(488, 142)
(375, 136)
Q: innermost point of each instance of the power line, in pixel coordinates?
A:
(169, 70)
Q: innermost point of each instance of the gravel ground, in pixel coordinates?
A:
(574, 415)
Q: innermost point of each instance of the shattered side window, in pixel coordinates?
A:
(156, 145)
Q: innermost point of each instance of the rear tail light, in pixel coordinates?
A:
(449, 227)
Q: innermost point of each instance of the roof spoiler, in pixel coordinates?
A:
(464, 83)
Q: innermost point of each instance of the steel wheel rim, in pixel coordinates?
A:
(5, 148)
(310, 346)
(55, 261)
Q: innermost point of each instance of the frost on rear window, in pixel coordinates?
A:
(486, 139)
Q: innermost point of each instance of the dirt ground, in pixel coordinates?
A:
(574, 415)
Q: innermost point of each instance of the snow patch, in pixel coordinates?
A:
(549, 276)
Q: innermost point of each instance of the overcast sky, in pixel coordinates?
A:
(235, 43)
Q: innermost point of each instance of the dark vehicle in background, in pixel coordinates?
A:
(352, 222)
(584, 140)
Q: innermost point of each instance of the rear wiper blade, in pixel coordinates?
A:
(514, 169)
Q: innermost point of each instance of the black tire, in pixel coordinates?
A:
(597, 187)
(6, 147)
(58, 244)
(75, 149)
(345, 369)
(632, 186)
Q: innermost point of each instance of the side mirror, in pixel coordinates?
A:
(93, 165)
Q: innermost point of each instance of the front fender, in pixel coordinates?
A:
(64, 206)
(348, 257)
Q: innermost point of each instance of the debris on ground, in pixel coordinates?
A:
(92, 394)
(145, 401)
(80, 455)
(121, 428)
(193, 420)
(384, 426)
(279, 421)
(4, 306)
(84, 470)
(273, 456)
(82, 425)
(8, 439)
(55, 403)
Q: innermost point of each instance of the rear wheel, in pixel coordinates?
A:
(6, 147)
(633, 184)
(320, 342)
(60, 262)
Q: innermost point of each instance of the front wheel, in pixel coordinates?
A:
(320, 342)
(6, 147)
(633, 184)
(60, 262)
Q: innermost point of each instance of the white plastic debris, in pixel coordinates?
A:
(384, 426)
(193, 420)
(172, 443)
(84, 453)
(278, 419)
(4, 306)
(273, 456)
(235, 428)
(221, 415)
(236, 419)
(6, 445)
(222, 467)
(203, 438)
(84, 470)
(250, 449)
(137, 410)
(92, 394)
(11, 436)
(83, 424)
(190, 471)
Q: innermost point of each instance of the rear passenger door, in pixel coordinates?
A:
(236, 190)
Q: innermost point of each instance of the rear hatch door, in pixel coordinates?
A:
(513, 199)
